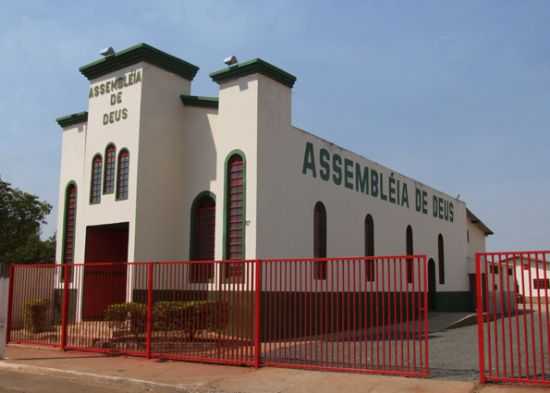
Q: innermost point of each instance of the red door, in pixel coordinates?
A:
(104, 284)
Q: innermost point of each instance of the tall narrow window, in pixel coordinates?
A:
(95, 184)
(203, 221)
(320, 241)
(122, 175)
(369, 248)
(109, 174)
(410, 251)
(69, 224)
(441, 257)
(235, 215)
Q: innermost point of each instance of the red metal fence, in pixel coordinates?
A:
(361, 315)
(513, 292)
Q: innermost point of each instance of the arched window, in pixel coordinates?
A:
(203, 221)
(69, 224)
(410, 251)
(235, 194)
(320, 241)
(109, 174)
(122, 175)
(369, 248)
(95, 184)
(441, 258)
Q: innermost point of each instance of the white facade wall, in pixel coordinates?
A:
(287, 198)
(178, 151)
(476, 243)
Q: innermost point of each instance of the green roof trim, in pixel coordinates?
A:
(71, 120)
(255, 66)
(135, 54)
(203, 102)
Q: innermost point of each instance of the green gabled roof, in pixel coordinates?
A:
(135, 54)
(255, 66)
(203, 102)
(71, 120)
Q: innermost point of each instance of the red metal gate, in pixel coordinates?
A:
(364, 315)
(513, 291)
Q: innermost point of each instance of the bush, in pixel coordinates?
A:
(35, 315)
(191, 316)
(131, 317)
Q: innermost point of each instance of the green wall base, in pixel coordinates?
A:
(459, 301)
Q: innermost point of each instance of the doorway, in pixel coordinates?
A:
(431, 285)
(104, 284)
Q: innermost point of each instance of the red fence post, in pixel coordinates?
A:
(257, 323)
(479, 308)
(426, 324)
(65, 307)
(149, 309)
(10, 303)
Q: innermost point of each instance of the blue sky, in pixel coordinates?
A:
(454, 94)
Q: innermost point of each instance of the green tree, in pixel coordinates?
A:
(21, 215)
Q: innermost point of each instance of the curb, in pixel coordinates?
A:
(107, 378)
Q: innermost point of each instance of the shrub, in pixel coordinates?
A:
(131, 317)
(35, 315)
(187, 316)
(191, 316)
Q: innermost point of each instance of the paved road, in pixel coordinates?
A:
(17, 382)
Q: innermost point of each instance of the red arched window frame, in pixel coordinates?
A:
(203, 222)
(95, 183)
(69, 224)
(369, 248)
(123, 175)
(410, 251)
(320, 241)
(109, 173)
(441, 258)
(235, 215)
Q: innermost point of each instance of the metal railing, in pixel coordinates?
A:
(361, 314)
(512, 295)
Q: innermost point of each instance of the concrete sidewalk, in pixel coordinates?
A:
(194, 377)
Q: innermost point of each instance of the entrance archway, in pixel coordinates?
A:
(431, 284)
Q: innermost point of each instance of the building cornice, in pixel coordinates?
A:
(255, 66)
(202, 102)
(72, 119)
(135, 54)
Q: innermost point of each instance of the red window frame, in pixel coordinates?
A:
(235, 217)
(441, 258)
(370, 265)
(320, 241)
(109, 171)
(410, 251)
(70, 223)
(541, 283)
(123, 174)
(203, 239)
(95, 183)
